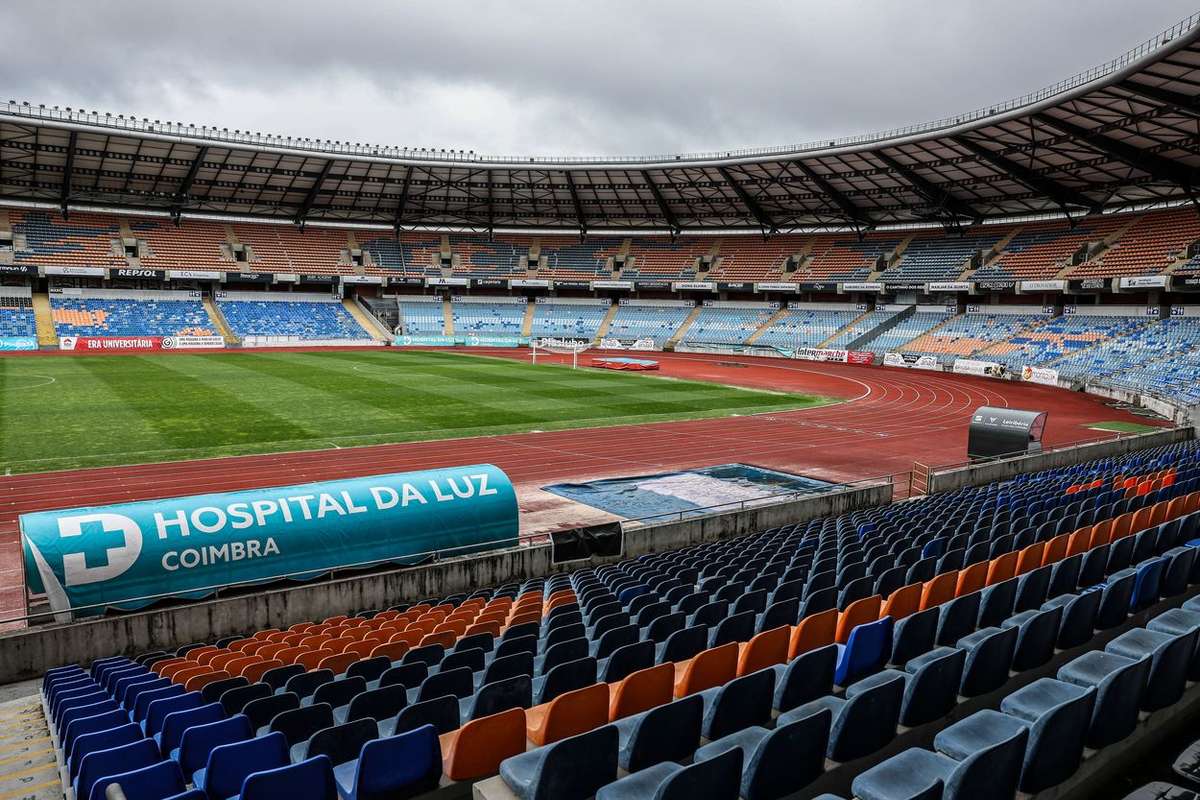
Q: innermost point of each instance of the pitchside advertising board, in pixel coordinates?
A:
(134, 344)
(481, 340)
(911, 361)
(839, 356)
(87, 559)
(12, 343)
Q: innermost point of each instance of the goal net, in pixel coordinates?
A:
(558, 351)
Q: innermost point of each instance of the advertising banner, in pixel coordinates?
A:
(249, 277)
(860, 357)
(1145, 282)
(192, 343)
(644, 344)
(194, 274)
(948, 286)
(696, 286)
(910, 360)
(1044, 375)
(423, 340)
(607, 284)
(493, 340)
(1044, 286)
(17, 269)
(777, 287)
(139, 274)
(377, 280)
(818, 354)
(119, 555)
(970, 366)
(11, 343)
(864, 286)
(809, 286)
(100, 344)
(529, 283)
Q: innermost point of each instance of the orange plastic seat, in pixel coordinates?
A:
(1030, 558)
(393, 650)
(707, 669)
(410, 638)
(293, 639)
(1141, 520)
(1101, 534)
(560, 600)
(334, 619)
(385, 615)
(312, 658)
(939, 590)
(197, 682)
(266, 633)
(254, 672)
(219, 661)
(200, 652)
(446, 639)
(903, 602)
(182, 676)
(168, 667)
(813, 632)
(641, 691)
(458, 627)
(1002, 568)
(476, 749)
(1176, 507)
(973, 578)
(1193, 502)
(1056, 549)
(491, 627)
(315, 642)
(338, 663)
(522, 619)
(569, 714)
(378, 637)
(290, 655)
(236, 666)
(1158, 514)
(764, 650)
(339, 645)
(360, 650)
(1122, 526)
(858, 613)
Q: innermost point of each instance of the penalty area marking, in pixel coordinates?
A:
(46, 381)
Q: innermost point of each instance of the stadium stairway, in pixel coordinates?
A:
(683, 328)
(44, 319)
(606, 323)
(771, 320)
(527, 320)
(833, 336)
(880, 329)
(218, 321)
(447, 318)
(366, 320)
(28, 768)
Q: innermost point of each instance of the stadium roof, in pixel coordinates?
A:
(1121, 135)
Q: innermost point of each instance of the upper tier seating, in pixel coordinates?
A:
(414, 253)
(632, 322)
(909, 607)
(804, 327)
(1161, 359)
(933, 257)
(288, 249)
(567, 257)
(919, 324)
(842, 258)
(480, 257)
(967, 334)
(422, 316)
(1040, 251)
(1151, 245)
(750, 259)
(663, 259)
(79, 316)
(501, 315)
(726, 325)
(569, 320)
(301, 320)
(85, 240)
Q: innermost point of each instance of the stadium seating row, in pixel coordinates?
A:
(754, 646)
(1138, 244)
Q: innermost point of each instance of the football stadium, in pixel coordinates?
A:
(862, 469)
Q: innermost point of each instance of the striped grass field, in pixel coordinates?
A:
(68, 412)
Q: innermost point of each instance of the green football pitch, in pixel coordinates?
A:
(64, 412)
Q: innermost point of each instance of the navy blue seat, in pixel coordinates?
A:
(492, 698)
(562, 653)
(867, 649)
(1146, 583)
(1057, 715)
(1078, 617)
(670, 732)
(914, 635)
(625, 660)
(989, 658)
(90, 724)
(1181, 561)
(716, 778)
(576, 767)
(1037, 633)
(377, 704)
(779, 762)
(611, 640)
(157, 708)
(502, 668)
(683, 644)
(805, 678)
(459, 682)
(341, 743)
(733, 628)
(564, 678)
(305, 683)
(102, 740)
(278, 677)
(175, 724)
(996, 603)
(989, 771)
(150, 782)
(1119, 683)
(1032, 588)
(393, 768)
(229, 765)
(261, 712)
(299, 724)
(443, 713)
(99, 764)
(1064, 576)
(738, 704)
(308, 780)
(200, 740)
(864, 721)
(957, 619)
(1170, 657)
(234, 700)
(931, 685)
(212, 692)
(1180, 622)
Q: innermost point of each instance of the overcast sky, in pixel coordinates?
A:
(601, 77)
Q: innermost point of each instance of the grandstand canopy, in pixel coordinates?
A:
(1121, 135)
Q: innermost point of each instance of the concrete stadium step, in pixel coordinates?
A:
(683, 327)
(44, 320)
(373, 327)
(606, 323)
(447, 318)
(28, 765)
(771, 320)
(218, 321)
(527, 320)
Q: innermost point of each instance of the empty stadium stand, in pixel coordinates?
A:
(807, 324)
(566, 318)
(761, 663)
(917, 325)
(649, 319)
(98, 312)
(264, 318)
(727, 322)
(502, 315)
(968, 334)
(421, 314)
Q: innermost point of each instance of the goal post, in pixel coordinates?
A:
(562, 348)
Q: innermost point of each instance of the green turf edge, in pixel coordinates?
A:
(1117, 426)
(790, 401)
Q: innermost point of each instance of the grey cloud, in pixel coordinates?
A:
(614, 77)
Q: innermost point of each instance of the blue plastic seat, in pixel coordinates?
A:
(150, 782)
(738, 704)
(957, 619)
(914, 635)
(625, 660)
(98, 764)
(497, 670)
(864, 721)
(778, 762)
(867, 650)
(989, 658)
(931, 685)
(261, 712)
(716, 778)
(308, 780)
(564, 678)
(82, 720)
(996, 603)
(575, 767)
(1058, 715)
(804, 678)
(393, 768)
(1180, 622)
(670, 732)
(1170, 657)
(990, 771)
(157, 708)
(199, 740)
(1037, 632)
(176, 723)
(1119, 683)
(443, 713)
(229, 764)
(733, 628)
(1078, 623)
(102, 740)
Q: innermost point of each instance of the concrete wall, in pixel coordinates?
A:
(28, 653)
(979, 474)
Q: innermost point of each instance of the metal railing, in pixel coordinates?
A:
(321, 147)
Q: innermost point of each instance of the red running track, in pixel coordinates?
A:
(888, 419)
